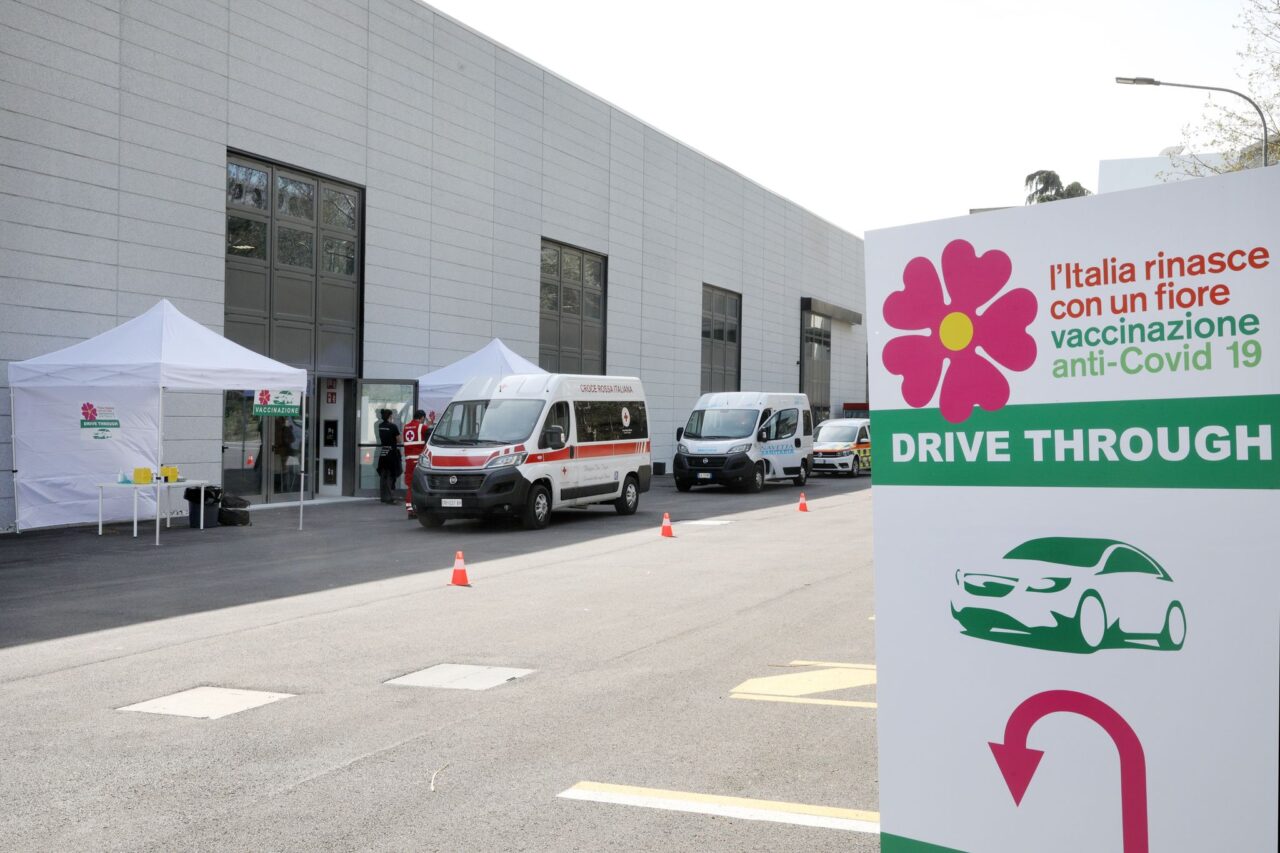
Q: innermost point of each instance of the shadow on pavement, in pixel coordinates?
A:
(58, 583)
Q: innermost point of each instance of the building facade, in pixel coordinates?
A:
(371, 190)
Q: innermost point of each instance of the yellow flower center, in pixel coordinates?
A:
(956, 331)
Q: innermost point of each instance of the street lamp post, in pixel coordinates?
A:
(1148, 81)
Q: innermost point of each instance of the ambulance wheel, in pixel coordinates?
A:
(804, 473)
(430, 520)
(683, 485)
(537, 509)
(856, 468)
(756, 483)
(629, 500)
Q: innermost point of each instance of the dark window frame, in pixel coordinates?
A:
(720, 357)
(589, 329)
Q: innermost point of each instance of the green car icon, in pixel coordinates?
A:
(1068, 594)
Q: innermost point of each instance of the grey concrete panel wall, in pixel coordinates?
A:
(117, 119)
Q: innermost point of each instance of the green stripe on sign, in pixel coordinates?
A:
(1186, 443)
(898, 844)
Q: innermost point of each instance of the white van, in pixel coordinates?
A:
(528, 444)
(745, 438)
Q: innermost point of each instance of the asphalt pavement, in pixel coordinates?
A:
(655, 680)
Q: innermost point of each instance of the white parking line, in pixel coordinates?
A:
(797, 814)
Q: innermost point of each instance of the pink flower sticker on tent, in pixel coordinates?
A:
(264, 398)
(89, 412)
(955, 329)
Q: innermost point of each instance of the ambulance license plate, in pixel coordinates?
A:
(451, 502)
(704, 475)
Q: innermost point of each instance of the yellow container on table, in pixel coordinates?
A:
(169, 473)
(141, 476)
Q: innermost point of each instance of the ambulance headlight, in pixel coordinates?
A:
(740, 448)
(682, 448)
(507, 461)
(425, 459)
(845, 452)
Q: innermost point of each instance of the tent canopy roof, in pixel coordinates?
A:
(493, 359)
(161, 348)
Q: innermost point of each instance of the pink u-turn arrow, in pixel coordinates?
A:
(1018, 763)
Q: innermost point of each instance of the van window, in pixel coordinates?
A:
(491, 422)
(863, 436)
(808, 422)
(783, 426)
(558, 416)
(611, 420)
(713, 424)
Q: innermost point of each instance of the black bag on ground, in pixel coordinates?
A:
(232, 516)
(234, 502)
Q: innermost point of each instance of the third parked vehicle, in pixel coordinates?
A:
(842, 446)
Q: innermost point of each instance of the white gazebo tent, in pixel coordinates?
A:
(495, 359)
(84, 414)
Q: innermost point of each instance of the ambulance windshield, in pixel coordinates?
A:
(486, 422)
(711, 424)
(837, 432)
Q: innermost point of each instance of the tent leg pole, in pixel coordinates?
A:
(302, 455)
(13, 452)
(159, 456)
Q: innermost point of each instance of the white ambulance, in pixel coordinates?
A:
(746, 439)
(526, 445)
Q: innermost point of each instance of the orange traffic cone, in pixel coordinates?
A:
(666, 526)
(459, 572)
(804, 507)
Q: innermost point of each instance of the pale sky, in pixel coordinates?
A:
(874, 114)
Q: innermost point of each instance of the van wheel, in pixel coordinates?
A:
(804, 473)
(629, 500)
(756, 483)
(856, 468)
(683, 485)
(537, 509)
(430, 520)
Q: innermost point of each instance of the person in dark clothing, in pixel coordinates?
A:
(388, 457)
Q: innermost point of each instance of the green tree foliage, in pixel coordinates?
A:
(1229, 125)
(1045, 185)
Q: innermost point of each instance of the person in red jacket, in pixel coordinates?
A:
(416, 433)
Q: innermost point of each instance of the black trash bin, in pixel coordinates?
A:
(212, 497)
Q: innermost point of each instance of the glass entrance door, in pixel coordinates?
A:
(372, 396)
(243, 465)
(285, 471)
(262, 456)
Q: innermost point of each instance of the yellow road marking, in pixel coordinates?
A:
(857, 820)
(808, 683)
(798, 686)
(803, 700)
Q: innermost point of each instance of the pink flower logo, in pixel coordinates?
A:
(955, 329)
(89, 412)
(264, 398)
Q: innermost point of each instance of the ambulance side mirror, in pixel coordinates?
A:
(762, 435)
(679, 433)
(553, 437)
